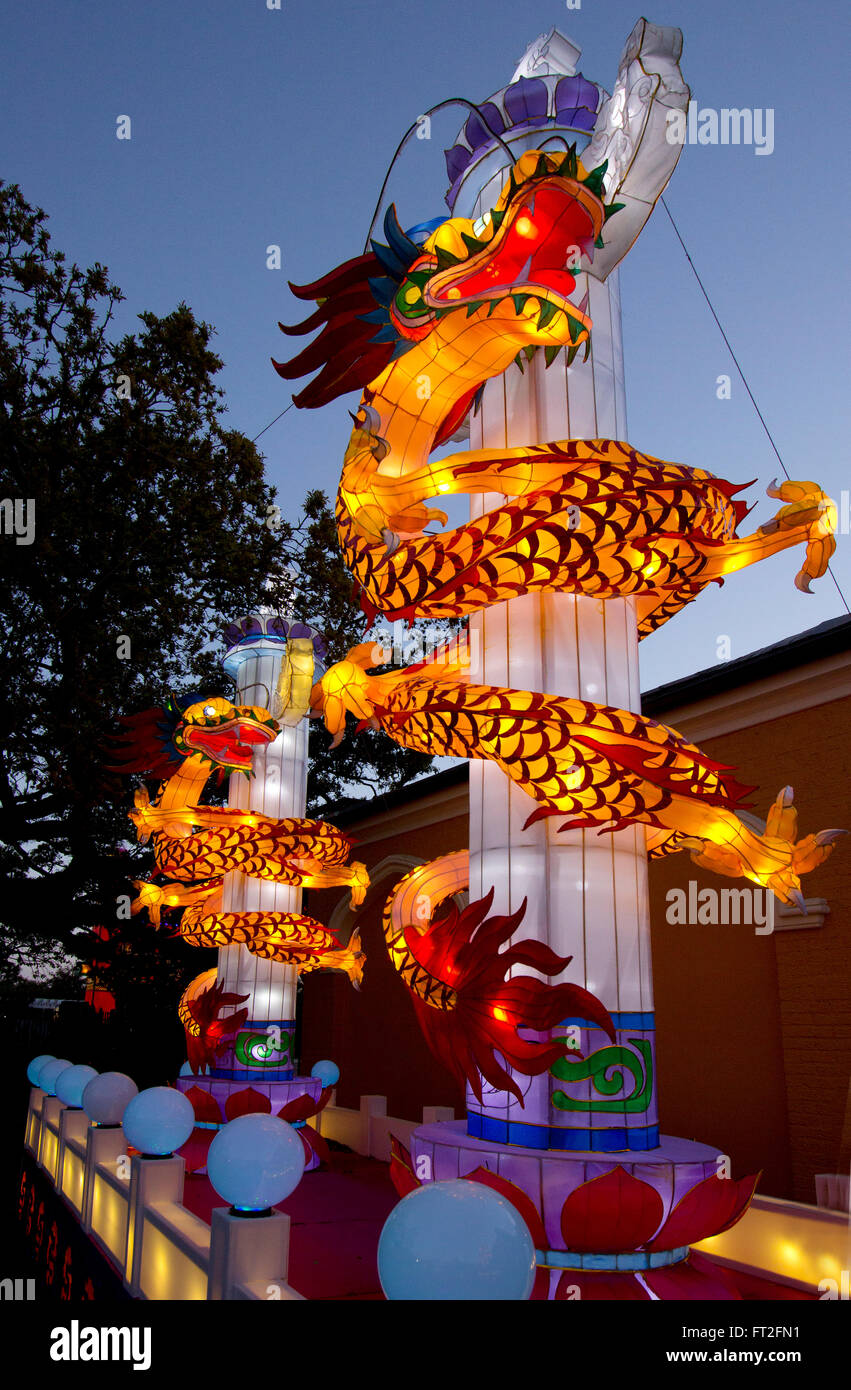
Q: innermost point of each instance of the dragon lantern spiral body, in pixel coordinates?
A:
(195, 845)
(420, 328)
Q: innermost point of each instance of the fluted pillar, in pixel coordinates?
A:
(586, 893)
(277, 788)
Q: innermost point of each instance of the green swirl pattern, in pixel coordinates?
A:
(256, 1050)
(607, 1070)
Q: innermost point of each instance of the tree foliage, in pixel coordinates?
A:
(149, 536)
(366, 763)
(151, 532)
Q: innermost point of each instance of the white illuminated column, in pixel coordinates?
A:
(586, 894)
(277, 788)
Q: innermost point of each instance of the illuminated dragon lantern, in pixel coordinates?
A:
(420, 328)
(186, 743)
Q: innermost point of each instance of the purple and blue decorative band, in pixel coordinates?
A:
(257, 1052)
(573, 1140)
(629, 1260)
(602, 1077)
(644, 1022)
(271, 628)
(271, 1074)
(599, 1097)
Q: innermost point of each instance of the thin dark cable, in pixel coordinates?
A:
(724, 336)
(454, 101)
(450, 101)
(272, 422)
(741, 373)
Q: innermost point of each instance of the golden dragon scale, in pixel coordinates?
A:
(419, 328)
(196, 845)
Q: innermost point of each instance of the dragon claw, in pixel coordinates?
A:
(391, 542)
(826, 837)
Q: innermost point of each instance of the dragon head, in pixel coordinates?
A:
(518, 258)
(523, 255)
(224, 734)
(157, 740)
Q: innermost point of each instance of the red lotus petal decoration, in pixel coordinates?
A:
(402, 1174)
(305, 1107)
(610, 1214)
(247, 1102)
(707, 1209)
(526, 1207)
(314, 1144)
(616, 1213)
(518, 1198)
(299, 1109)
(206, 1108)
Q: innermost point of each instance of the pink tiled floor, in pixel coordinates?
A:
(336, 1218)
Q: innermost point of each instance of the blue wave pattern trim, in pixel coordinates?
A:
(629, 1260)
(545, 1137)
(261, 1074)
(620, 1020)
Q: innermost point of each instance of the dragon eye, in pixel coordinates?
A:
(209, 710)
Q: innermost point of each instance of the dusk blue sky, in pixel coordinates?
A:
(253, 127)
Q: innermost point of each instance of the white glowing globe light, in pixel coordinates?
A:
(72, 1083)
(326, 1072)
(158, 1120)
(456, 1240)
(36, 1065)
(107, 1096)
(50, 1074)
(255, 1161)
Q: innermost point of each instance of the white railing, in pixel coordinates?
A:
(833, 1190)
(367, 1131)
(133, 1210)
(808, 1248)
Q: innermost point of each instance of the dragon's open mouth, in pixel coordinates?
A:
(231, 744)
(543, 233)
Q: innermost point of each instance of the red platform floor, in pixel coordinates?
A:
(336, 1218)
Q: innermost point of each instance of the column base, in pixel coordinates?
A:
(217, 1099)
(611, 1225)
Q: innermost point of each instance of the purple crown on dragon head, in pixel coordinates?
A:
(568, 103)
